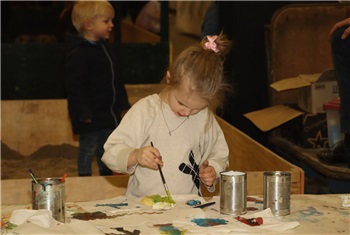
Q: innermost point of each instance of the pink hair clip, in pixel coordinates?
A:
(211, 45)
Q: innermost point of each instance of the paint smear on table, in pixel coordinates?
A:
(342, 210)
(126, 232)
(209, 222)
(310, 214)
(171, 230)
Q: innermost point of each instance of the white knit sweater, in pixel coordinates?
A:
(182, 152)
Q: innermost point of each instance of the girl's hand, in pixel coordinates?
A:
(146, 156)
(207, 173)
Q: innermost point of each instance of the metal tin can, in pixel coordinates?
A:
(49, 193)
(233, 193)
(277, 192)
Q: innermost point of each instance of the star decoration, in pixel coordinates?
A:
(318, 141)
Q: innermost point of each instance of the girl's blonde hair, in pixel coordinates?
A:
(202, 66)
(89, 10)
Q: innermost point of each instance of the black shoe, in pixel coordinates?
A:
(339, 154)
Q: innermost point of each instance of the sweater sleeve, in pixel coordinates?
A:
(131, 134)
(215, 147)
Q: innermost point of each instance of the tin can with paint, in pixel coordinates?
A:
(49, 193)
(233, 193)
(277, 192)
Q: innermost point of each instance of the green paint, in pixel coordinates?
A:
(157, 198)
(170, 198)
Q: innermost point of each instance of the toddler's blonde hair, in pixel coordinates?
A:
(203, 69)
(89, 10)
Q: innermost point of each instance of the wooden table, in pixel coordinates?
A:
(315, 214)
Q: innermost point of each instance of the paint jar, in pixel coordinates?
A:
(233, 193)
(49, 193)
(277, 192)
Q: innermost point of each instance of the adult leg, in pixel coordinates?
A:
(341, 60)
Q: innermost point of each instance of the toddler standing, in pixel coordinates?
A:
(97, 98)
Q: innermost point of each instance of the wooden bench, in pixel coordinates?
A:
(245, 153)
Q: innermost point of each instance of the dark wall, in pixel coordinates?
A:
(244, 23)
(32, 50)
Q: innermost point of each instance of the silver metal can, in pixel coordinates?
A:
(49, 193)
(277, 192)
(233, 193)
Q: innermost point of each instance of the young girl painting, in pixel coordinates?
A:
(188, 142)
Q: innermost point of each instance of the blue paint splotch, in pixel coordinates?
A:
(207, 222)
(309, 214)
(171, 230)
(310, 211)
(193, 202)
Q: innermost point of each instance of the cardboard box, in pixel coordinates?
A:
(307, 130)
(325, 88)
(314, 89)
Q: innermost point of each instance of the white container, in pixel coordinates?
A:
(333, 122)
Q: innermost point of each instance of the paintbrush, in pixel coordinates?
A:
(204, 205)
(32, 175)
(164, 183)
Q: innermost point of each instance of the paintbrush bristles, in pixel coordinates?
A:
(163, 180)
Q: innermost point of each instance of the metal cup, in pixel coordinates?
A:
(49, 193)
(233, 193)
(277, 192)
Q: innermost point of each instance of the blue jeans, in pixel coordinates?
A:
(91, 144)
(341, 60)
